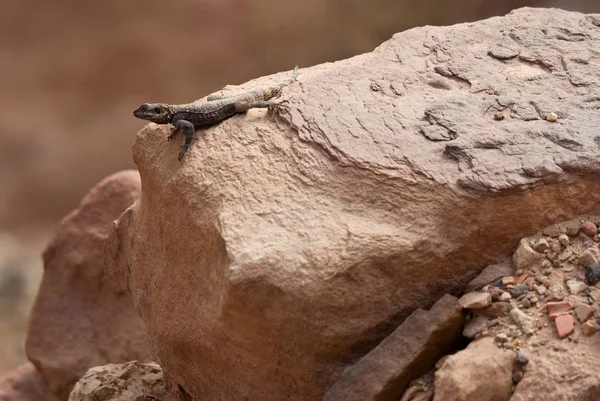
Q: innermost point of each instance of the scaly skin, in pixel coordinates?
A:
(210, 111)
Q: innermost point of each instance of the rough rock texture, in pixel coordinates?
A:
(481, 372)
(24, 384)
(296, 242)
(409, 352)
(81, 318)
(125, 382)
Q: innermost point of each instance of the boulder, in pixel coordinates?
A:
(81, 318)
(481, 372)
(24, 383)
(287, 245)
(121, 382)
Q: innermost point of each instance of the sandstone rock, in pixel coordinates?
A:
(490, 274)
(563, 239)
(297, 240)
(576, 287)
(589, 256)
(121, 382)
(525, 256)
(584, 312)
(81, 318)
(24, 384)
(525, 322)
(481, 372)
(475, 300)
(410, 351)
(589, 228)
(589, 327)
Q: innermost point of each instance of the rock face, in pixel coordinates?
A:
(125, 382)
(24, 384)
(482, 372)
(81, 318)
(285, 247)
(410, 351)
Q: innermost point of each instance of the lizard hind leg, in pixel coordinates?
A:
(242, 107)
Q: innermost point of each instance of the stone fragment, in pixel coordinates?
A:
(556, 309)
(81, 318)
(409, 352)
(589, 256)
(489, 275)
(475, 300)
(121, 382)
(518, 290)
(541, 289)
(584, 312)
(475, 326)
(481, 372)
(592, 273)
(564, 325)
(501, 338)
(525, 256)
(563, 239)
(540, 245)
(521, 278)
(525, 322)
(589, 327)
(576, 287)
(589, 228)
(497, 309)
(505, 297)
(24, 383)
(508, 280)
(522, 357)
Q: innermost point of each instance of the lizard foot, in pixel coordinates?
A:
(281, 106)
(184, 149)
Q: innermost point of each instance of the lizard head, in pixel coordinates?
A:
(156, 112)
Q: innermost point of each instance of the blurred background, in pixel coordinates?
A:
(71, 73)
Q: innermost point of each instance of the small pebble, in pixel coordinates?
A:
(505, 296)
(563, 239)
(541, 245)
(517, 376)
(590, 327)
(508, 280)
(526, 304)
(552, 117)
(501, 338)
(522, 357)
(518, 290)
(498, 116)
(589, 228)
(592, 273)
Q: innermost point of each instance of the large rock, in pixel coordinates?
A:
(24, 383)
(121, 382)
(409, 352)
(481, 372)
(285, 247)
(81, 318)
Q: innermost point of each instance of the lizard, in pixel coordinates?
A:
(209, 111)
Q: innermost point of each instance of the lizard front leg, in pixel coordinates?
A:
(188, 129)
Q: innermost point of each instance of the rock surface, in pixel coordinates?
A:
(24, 384)
(410, 351)
(121, 382)
(295, 242)
(481, 372)
(81, 318)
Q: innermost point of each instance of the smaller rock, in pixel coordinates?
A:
(589, 257)
(572, 229)
(564, 255)
(540, 245)
(526, 303)
(590, 327)
(592, 273)
(518, 290)
(517, 376)
(497, 309)
(501, 338)
(589, 228)
(520, 278)
(505, 297)
(584, 312)
(522, 357)
(563, 239)
(564, 325)
(475, 326)
(525, 256)
(552, 117)
(475, 300)
(540, 279)
(489, 275)
(508, 280)
(576, 287)
(525, 322)
(556, 309)
(541, 289)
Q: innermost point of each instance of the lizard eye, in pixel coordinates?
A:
(157, 110)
